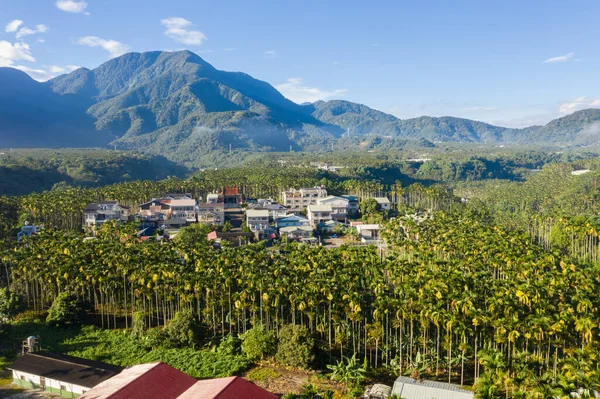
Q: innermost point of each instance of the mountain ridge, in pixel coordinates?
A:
(178, 105)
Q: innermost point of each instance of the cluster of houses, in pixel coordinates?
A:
(300, 214)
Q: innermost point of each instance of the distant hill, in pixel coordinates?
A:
(177, 105)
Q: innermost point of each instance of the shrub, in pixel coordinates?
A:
(295, 346)
(263, 373)
(10, 305)
(230, 346)
(183, 330)
(258, 343)
(65, 311)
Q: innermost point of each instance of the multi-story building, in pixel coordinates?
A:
(97, 213)
(339, 206)
(257, 220)
(211, 213)
(318, 214)
(184, 208)
(298, 200)
(352, 205)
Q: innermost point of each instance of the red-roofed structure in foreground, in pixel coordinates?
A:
(161, 381)
(226, 388)
(145, 381)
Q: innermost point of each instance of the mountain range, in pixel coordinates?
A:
(177, 105)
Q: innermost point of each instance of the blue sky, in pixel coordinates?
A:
(507, 62)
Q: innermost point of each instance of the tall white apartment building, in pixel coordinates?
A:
(298, 200)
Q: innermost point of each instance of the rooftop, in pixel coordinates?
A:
(226, 388)
(409, 388)
(144, 381)
(319, 208)
(257, 213)
(382, 200)
(73, 370)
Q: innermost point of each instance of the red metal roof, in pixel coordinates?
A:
(231, 191)
(226, 388)
(145, 381)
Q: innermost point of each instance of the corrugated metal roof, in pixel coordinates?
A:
(145, 381)
(73, 370)
(226, 388)
(409, 388)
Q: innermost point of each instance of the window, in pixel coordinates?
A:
(22, 377)
(63, 387)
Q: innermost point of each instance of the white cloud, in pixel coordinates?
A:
(114, 47)
(72, 6)
(58, 70)
(42, 75)
(12, 26)
(271, 54)
(230, 49)
(178, 29)
(561, 58)
(295, 90)
(27, 31)
(14, 52)
(578, 104)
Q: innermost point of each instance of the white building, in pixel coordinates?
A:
(184, 208)
(298, 200)
(211, 213)
(257, 220)
(318, 214)
(368, 232)
(97, 213)
(212, 198)
(384, 203)
(339, 206)
(63, 375)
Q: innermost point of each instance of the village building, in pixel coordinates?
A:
(183, 208)
(212, 198)
(409, 388)
(368, 233)
(339, 207)
(63, 375)
(296, 232)
(318, 214)
(353, 207)
(211, 213)
(235, 238)
(291, 220)
(27, 230)
(383, 203)
(97, 213)
(298, 200)
(232, 198)
(329, 226)
(257, 219)
(172, 206)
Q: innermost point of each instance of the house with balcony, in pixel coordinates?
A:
(211, 213)
(339, 207)
(183, 208)
(368, 233)
(257, 219)
(97, 213)
(297, 201)
(318, 214)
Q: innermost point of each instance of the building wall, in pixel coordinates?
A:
(31, 381)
